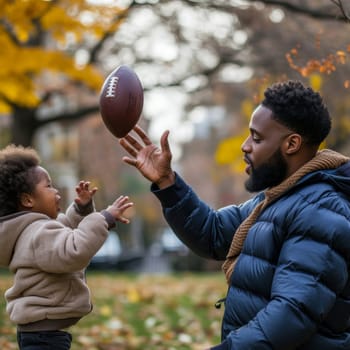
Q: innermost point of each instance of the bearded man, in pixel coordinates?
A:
(286, 251)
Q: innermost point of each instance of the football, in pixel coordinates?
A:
(121, 101)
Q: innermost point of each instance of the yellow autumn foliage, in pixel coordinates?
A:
(247, 108)
(229, 152)
(34, 35)
(316, 81)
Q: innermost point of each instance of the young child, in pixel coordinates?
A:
(47, 251)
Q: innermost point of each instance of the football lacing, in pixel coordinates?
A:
(112, 87)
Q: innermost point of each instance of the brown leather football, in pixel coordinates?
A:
(121, 101)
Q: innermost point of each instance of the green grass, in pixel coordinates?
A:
(134, 312)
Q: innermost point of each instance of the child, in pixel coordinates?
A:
(47, 251)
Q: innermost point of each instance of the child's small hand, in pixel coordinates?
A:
(84, 193)
(118, 207)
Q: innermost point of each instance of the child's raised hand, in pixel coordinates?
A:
(118, 207)
(84, 193)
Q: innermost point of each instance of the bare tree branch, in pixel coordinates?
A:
(305, 10)
(96, 49)
(78, 114)
(320, 13)
(339, 4)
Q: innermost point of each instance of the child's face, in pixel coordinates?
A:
(45, 198)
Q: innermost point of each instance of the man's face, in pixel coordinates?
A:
(267, 166)
(268, 174)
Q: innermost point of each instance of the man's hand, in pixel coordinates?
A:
(154, 163)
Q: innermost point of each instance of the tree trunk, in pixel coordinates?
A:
(23, 126)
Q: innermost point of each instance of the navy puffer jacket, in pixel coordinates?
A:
(290, 288)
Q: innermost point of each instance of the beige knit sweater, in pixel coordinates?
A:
(48, 258)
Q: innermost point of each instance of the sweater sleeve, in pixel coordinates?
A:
(86, 209)
(59, 249)
(75, 213)
(109, 218)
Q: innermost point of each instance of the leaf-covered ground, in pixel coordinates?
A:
(134, 312)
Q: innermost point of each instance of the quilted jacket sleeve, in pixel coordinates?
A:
(207, 232)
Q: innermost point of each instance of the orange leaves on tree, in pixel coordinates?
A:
(325, 65)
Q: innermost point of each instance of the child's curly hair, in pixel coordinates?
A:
(300, 109)
(17, 176)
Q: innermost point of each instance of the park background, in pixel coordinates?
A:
(203, 65)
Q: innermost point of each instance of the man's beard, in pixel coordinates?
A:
(269, 174)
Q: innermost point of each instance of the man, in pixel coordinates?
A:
(286, 250)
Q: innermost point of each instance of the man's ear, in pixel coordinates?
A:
(27, 201)
(293, 144)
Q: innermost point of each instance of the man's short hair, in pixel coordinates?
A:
(300, 109)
